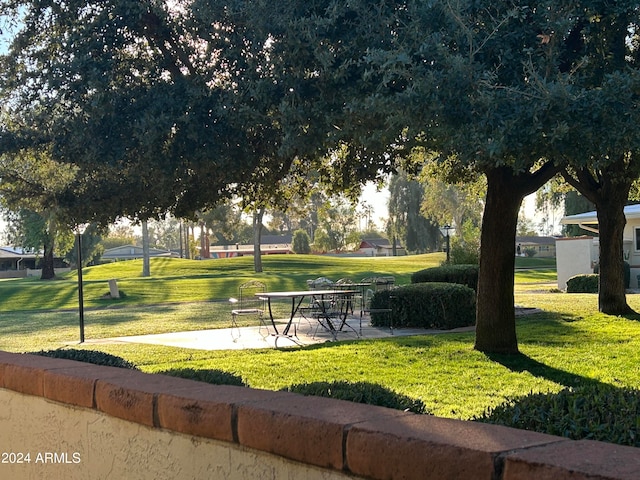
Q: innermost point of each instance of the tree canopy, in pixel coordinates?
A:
(143, 97)
(180, 105)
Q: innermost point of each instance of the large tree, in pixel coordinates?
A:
(143, 97)
(32, 190)
(494, 86)
(406, 222)
(602, 143)
(451, 77)
(498, 88)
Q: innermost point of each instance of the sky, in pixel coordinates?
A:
(378, 201)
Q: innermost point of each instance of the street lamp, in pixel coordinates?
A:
(445, 232)
(447, 227)
(80, 229)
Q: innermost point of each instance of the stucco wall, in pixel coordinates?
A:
(574, 256)
(77, 443)
(78, 420)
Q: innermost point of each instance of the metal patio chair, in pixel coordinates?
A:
(249, 302)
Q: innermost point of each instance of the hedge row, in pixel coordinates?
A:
(594, 412)
(462, 274)
(360, 392)
(213, 376)
(89, 356)
(585, 283)
(425, 305)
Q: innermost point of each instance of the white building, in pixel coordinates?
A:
(578, 255)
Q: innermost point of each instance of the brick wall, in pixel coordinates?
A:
(122, 421)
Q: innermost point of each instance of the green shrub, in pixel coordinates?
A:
(216, 377)
(360, 392)
(463, 253)
(88, 356)
(426, 305)
(465, 245)
(594, 412)
(530, 252)
(585, 283)
(462, 274)
(301, 242)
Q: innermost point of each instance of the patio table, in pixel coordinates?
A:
(319, 297)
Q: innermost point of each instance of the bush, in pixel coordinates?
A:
(88, 356)
(360, 392)
(594, 412)
(215, 377)
(587, 283)
(301, 242)
(465, 246)
(463, 253)
(426, 305)
(530, 252)
(463, 274)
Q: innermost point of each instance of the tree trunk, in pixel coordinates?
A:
(181, 228)
(495, 314)
(609, 192)
(258, 214)
(611, 289)
(610, 202)
(146, 268)
(48, 270)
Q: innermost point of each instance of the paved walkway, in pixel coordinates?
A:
(253, 337)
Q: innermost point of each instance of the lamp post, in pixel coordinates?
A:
(447, 227)
(79, 231)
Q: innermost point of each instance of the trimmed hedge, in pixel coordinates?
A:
(462, 274)
(595, 412)
(584, 283)
(425, 305)
(89, 356)
(213, 376)
(360, 392)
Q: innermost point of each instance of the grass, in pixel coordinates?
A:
(177, 281)
(569, 344)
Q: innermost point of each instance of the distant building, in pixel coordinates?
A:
(269, 245)
(379, 247)
(579, 255)
(543, 246)
(132, 252)
(16, 262)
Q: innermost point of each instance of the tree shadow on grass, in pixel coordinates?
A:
(523, 363)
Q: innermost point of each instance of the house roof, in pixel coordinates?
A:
(591, 218)
(133, 251)
(535, 240)
(13, 252)
(283, 239)
(377, 243)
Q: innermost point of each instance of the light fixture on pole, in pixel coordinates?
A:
(445, 232)
(80, 229)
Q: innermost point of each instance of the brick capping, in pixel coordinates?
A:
(358, 440)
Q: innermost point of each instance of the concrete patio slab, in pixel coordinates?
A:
(254, 337)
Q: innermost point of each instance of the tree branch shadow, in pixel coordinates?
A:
(523, 363)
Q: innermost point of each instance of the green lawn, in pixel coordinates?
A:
(570, 343)
(176, 280)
